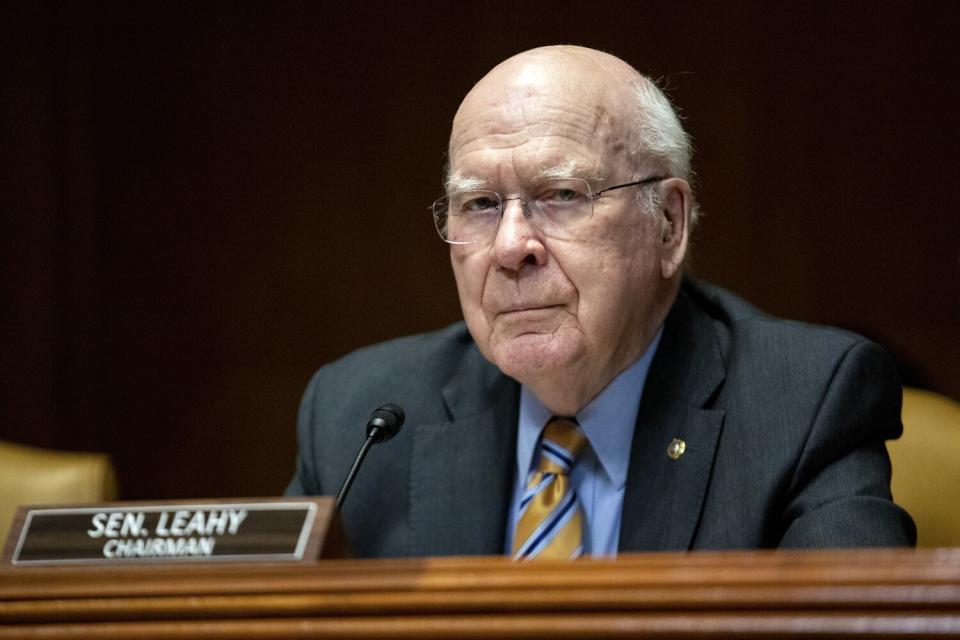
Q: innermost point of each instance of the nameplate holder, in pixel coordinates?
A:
(233, 530)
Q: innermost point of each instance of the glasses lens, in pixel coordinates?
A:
(556, 207)
(467, 216)
(560, 205)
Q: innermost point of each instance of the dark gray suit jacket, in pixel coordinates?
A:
(784, 424)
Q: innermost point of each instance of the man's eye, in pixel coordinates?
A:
(480, 205)
(557, 196)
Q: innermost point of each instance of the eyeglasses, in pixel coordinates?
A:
(557, 207)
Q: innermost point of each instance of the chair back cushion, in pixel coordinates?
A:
(926, 466)
(29, 475)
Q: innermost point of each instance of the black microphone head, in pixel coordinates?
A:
(385, 422)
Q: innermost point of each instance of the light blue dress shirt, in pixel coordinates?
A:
(600, 475)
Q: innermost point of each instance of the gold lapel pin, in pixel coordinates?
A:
(676, 448)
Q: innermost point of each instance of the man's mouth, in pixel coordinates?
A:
(527, 308)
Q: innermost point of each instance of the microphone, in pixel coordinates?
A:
(383, 424)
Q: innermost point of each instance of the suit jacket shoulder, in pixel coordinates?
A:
(784, 422)
(439, 486)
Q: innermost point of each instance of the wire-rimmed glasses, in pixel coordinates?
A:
(557, 207)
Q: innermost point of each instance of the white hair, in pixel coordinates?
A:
(661, 141)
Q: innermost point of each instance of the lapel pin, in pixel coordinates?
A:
(676, 448)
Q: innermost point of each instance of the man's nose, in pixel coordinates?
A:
(517, 241)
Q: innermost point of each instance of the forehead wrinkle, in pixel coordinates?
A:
(537, 117)
(529, 168)
(471, 168)
(595, 139)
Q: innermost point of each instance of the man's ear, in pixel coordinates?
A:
(676, 204)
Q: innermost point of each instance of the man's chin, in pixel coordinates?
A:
(535, 355)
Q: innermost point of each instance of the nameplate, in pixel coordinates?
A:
(294, 529)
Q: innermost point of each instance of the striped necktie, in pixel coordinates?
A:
(551, 520)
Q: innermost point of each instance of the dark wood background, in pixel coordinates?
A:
(203, 202)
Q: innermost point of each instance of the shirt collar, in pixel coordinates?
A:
(608, 420)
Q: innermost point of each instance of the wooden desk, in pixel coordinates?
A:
(885, 593)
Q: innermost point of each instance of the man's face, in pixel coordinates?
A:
(563, 315)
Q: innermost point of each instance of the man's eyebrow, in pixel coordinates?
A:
(465, 183)
(568, 169)
(564, 170)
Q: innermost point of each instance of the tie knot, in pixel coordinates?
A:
(562, 443)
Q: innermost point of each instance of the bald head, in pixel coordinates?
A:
(587, 73)
(620, 108)
(580, 70)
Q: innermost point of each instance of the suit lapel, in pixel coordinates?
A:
(467, 460)
(664, 497)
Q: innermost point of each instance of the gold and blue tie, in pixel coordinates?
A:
(551, 520)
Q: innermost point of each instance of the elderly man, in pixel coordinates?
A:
(597, 400)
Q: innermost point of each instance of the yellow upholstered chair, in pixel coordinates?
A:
(29, 475)
(926, 466)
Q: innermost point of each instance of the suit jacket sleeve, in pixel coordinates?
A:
(840, 491)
